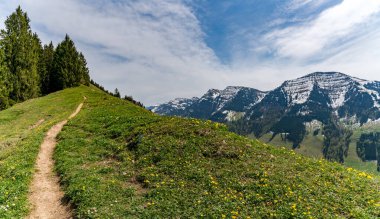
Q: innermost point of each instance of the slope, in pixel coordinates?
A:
(22, 129)
(45, 194)
(312, 146)
(117, 160)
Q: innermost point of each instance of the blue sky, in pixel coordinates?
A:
(156, 50)
(231, 26)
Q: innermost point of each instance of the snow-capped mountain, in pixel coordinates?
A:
(217, 105)
(317, 96)
(336, 92)
(336, 85)
(178, 106)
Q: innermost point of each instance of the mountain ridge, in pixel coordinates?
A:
(315, 96)
(294, 96)
(214, 103)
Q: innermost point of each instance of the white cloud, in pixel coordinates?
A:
(151, 49)
(155, 49)
(331, 26)
(342, 38)
(298, 4)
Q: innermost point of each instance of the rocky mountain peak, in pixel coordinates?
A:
(318, 96)
(336, 85)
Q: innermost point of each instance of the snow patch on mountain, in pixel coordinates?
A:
(313, 125)
(232, 115)
(335, 84)
(226, 95)
(176, 104)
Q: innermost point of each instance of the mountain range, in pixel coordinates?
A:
(319, 96)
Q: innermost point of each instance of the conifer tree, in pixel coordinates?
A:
(28, 70)
(45, 67)
(117, 93)
(85, 72)
(21, 55)
(69, 67)
(4, 82)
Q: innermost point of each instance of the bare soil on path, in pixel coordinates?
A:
(45, 194)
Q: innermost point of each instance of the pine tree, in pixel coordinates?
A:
(4, 82)
(117, 93)
(85, 72)
(69, 67)
(45, 67)
(21, 55)
(63, 65)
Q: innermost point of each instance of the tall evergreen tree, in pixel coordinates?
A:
(69, 66)
(4, 82)
(38, 49)
(46, 67)
(85, 72)
(117, 93)
(21, 55)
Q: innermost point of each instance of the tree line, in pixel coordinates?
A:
(368, 147)
(336, 142)
(29, 69)
(117, 94)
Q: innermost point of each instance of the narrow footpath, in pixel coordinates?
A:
(46, 195)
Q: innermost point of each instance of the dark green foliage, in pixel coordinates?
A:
(21, 49)
(69, 67)
(316, 132)
(85, 72)
(4, 103)
(116, 93)
(128, 98)
(336, 142)
(294, 127)
(368, 147)
(46, 67)
(28, 70)
(5, 86)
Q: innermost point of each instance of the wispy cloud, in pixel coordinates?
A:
(151, 49)
(299, 4)
(324, 34)
(157, 50)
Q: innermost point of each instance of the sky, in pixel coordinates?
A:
(157, 50)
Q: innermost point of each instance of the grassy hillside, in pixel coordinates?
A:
(22, 129)
(312, 146)
(117, 160)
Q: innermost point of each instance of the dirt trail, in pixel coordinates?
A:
(45, 193)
